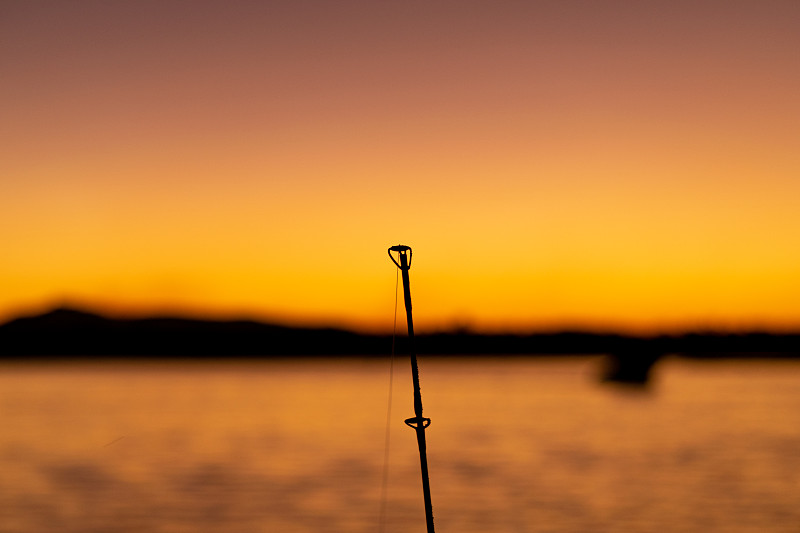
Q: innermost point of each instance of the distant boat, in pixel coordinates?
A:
(630, 367)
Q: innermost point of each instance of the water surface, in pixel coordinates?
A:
(516, 445)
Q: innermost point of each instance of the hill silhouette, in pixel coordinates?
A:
(73, 333)
(69, 332)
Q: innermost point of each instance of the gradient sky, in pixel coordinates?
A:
(604, 164)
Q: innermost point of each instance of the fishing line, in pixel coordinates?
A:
(385, 481)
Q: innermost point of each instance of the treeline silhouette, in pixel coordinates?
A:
(66, 333)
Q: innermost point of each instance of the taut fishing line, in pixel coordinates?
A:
(385, 480)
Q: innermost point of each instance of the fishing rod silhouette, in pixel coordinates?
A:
(417, 422)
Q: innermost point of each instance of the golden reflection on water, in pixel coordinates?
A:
(515, 445)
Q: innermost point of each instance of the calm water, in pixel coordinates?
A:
(515, 446)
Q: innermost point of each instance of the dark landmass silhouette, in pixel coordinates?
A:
(69, 333)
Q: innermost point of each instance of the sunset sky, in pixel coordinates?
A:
(629, 166)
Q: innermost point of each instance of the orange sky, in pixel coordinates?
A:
(620, 165)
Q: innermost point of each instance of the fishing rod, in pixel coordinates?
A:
(417, 422)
